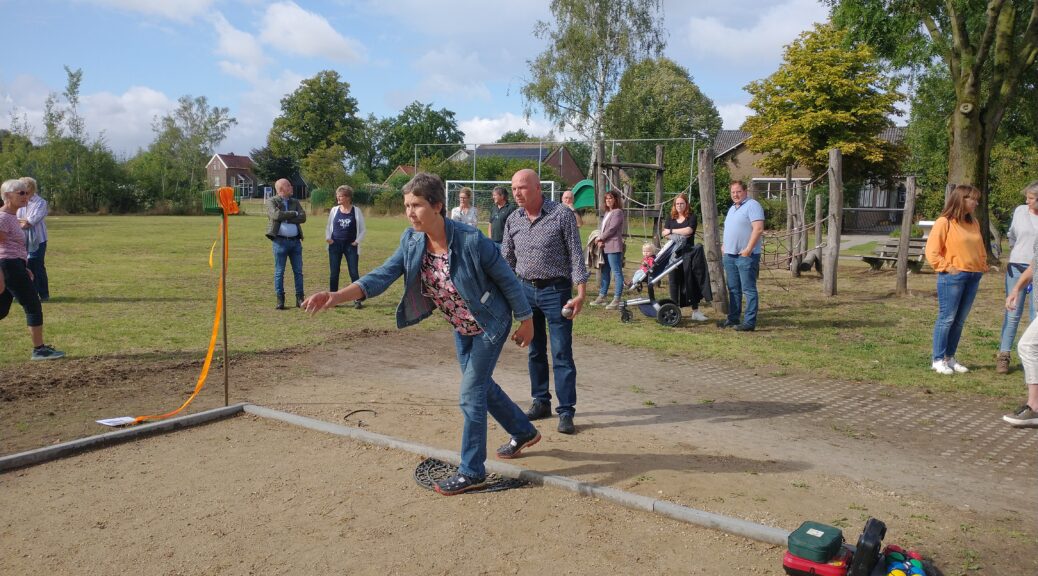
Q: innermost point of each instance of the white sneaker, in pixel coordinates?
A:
(599, 301)
(698, 316)
(954, 365)
(941, 367)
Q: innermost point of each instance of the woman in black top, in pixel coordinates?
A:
(682, 222)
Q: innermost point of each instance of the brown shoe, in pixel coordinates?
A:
(1002, 363)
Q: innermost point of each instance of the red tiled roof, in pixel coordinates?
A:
(233, 161)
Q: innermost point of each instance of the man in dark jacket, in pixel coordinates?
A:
(285, 231)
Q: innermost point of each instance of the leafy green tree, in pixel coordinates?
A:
(371, 163)
(269, 166)
(828, 93)
(319, 114)
(519, 135)
(418, 123)
(659, 99)
(987, 48)
(589, 45)
(323, 168)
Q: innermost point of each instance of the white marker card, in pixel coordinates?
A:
(120, 421)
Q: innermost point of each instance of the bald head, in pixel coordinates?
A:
(526, 188)
(283, 187)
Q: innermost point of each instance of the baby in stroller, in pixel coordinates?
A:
(648, 258)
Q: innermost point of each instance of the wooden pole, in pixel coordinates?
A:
(832, 246)
(802, 214)
(790, 210)
(711, 235)
(796, 231)
(906, 235)
(818, 226)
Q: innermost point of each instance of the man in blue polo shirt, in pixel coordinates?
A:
(743, 227)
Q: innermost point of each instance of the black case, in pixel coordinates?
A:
(866, 553)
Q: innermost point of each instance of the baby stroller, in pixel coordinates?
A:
(665, 311)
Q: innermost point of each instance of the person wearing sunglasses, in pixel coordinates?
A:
(17, 277)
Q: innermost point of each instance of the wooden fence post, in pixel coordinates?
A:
(818, 226)
(906, 234)
(659, 195)
(790, 211)
(711, 235)
(796, 231)
(832, 245)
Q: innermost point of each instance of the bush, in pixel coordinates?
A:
(389, 202)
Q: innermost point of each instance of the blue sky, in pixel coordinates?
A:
(469, 56)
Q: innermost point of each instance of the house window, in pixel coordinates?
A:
(216, 180)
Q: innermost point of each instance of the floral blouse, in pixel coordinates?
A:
(437, 285)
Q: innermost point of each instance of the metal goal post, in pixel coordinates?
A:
(481, 197)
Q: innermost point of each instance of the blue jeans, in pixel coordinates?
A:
(290, 249)
(1011, 319)
(477, 356)
(955, 294)
(612, 266)
(336, 251)
(548, 321)
(39, 271)
(740, 274)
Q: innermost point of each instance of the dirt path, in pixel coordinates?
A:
(946, 476)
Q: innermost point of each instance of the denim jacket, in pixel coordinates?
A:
(479, 273)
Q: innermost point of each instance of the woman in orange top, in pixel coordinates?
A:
(955, 249)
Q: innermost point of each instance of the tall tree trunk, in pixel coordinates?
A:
(969, 152)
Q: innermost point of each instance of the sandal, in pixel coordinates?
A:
(459, 483)
(516, 445)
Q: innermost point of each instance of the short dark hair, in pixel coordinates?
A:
(500, 190)
(740, 183)
(430, 187)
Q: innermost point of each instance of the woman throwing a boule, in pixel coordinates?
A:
(453, 267)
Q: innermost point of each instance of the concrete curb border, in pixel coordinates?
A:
(46, 454)
(736, 526)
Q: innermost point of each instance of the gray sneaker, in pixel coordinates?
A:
(46, 352)
(1022, 417)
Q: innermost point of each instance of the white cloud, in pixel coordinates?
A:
(291, 29)
(256, 111)
(733, 114)
(125, 119)
(244, 54)
(453, 72)
(179, 10)
(480, 130)
(760, 38)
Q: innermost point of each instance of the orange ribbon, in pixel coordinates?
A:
(226, 199)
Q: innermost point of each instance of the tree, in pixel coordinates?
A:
(270, 166)
(319, 114)
(590, 44)
(371, 162)
(987, 47)
(828, 93)
(323, 167)
(519, 135)
(658, 99)
(418, 123)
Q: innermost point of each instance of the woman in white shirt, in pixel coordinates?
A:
(1023, 231)
(466, 212)
(344, 233)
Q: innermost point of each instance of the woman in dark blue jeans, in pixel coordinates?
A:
(453, 267)
(344, 233)
(955, 249)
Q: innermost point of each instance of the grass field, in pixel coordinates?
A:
(139, 286)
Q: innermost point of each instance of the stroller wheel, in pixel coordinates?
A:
(669, 314)
(625, 315)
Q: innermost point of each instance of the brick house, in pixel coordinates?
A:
(234, 171)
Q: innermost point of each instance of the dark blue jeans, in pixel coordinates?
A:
(740, 274)
(479, 394)
(336, 251)
(548, 322)
(955, 294)
(39, 271)
(288, 249)
(612, 266)
(19, 286)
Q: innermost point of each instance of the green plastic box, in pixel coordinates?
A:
(815, 541)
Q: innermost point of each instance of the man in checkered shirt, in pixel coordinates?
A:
(542, 244)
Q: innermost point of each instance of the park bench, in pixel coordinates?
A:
(887, 252)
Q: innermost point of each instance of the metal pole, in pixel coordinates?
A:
(223, 313)
(415, 158)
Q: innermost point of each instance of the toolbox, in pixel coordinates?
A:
(815, 541)
(836, 566)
